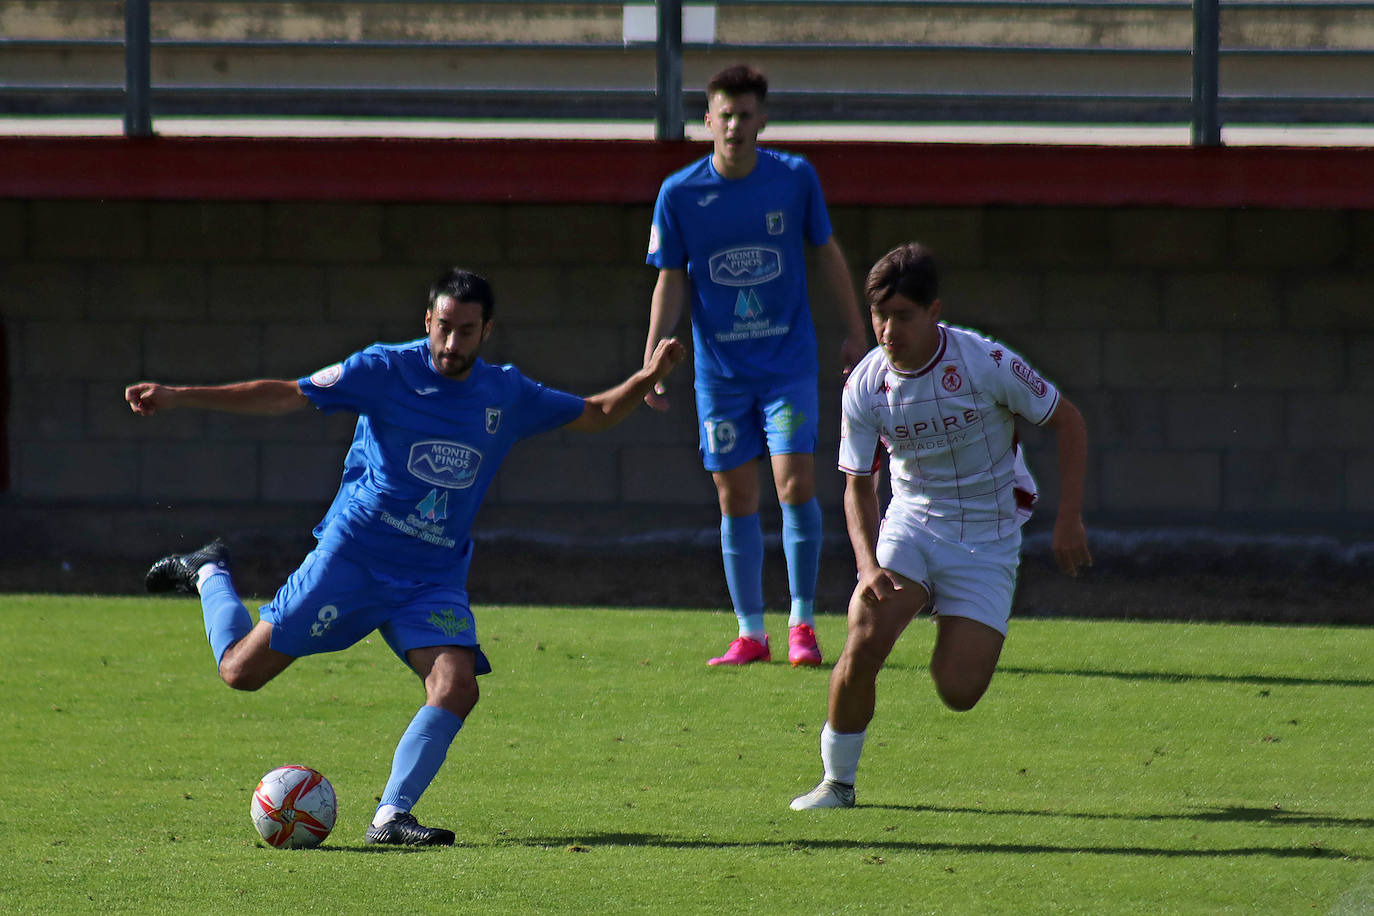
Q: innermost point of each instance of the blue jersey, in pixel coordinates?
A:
(742, 242)
(424, 451)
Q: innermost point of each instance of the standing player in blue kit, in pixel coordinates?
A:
(434, 424)
(730, 235)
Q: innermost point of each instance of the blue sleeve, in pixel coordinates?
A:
(666, 248)
(818, 228)
(543, 409)
(354, 384)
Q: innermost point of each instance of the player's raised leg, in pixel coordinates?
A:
(242, 652)
(877, 617)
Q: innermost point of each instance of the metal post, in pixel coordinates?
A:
(1206, 79)
(138, 119)
(668, 104)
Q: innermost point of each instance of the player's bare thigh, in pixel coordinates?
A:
(252, 662)
(875, 623)
(964, 659)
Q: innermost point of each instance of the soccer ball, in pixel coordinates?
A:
(294, 807)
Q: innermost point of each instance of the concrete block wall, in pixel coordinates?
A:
(1224, 359)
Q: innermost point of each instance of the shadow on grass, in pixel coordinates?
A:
(586, 842)
(1235, 814)
(1259, 680)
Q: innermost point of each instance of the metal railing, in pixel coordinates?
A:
(625, 95)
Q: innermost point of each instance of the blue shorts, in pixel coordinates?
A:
(332, 602)
(735, 424)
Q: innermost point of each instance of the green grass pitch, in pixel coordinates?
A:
(1113, 767)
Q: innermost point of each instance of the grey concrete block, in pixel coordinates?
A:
(1221, 300)
(301, 473)
(62, 349)
(1159, 480)
(1047, 237)
(1162, 360)
(1231, 419)
(1280, 239)
(444, 235)
(377, 294)
(1299, 481)
(324, 232)
(206, 231)
(992, 301)
(267, 292)
(1340, 421)
(132, 291)
(1299, 362)
(534, 472)
(564, 234)
(43, 289)
(1173, 239)
(201, 354)
(191, 472)
(1331, 302)
(87, 229)
(61, 472)
(954, 234)
(1102, 299)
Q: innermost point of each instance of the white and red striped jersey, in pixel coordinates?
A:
(949, 432)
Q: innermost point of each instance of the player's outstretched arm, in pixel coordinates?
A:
(1070, 538)
(665, 311)
(262, 397)
(604, 410)
(831, 264)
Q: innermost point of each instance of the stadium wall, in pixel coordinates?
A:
(1212, 312)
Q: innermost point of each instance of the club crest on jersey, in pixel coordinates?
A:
(493, 420)
(1026, 376)
(774, 222)
(450, 465)
(951, 381)
(996, 356)
(745, 266)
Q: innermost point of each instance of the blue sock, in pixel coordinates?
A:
(801, 544)
(741, 547)
(419, 755)
(226, 619)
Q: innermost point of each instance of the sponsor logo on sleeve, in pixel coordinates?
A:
(653, 238)
(327, 376)
(1026, 376)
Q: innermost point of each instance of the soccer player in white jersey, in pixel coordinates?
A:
(730, 235)
(434, 423)
(941, 401)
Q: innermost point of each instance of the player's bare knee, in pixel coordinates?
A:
(958, 695)
(239, 677)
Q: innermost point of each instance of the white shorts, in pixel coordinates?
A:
(964, 580)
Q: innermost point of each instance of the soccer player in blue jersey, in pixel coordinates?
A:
(434, 424)
(730, 235)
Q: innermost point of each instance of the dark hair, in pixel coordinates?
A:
(740, 79)
(908, 270)
(463, 286)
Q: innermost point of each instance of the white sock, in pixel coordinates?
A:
(208, 570)
(384, 814)
(840, 754)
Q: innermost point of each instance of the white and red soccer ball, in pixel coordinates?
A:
(294, 807)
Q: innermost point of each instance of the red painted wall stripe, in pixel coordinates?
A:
(620, 171)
